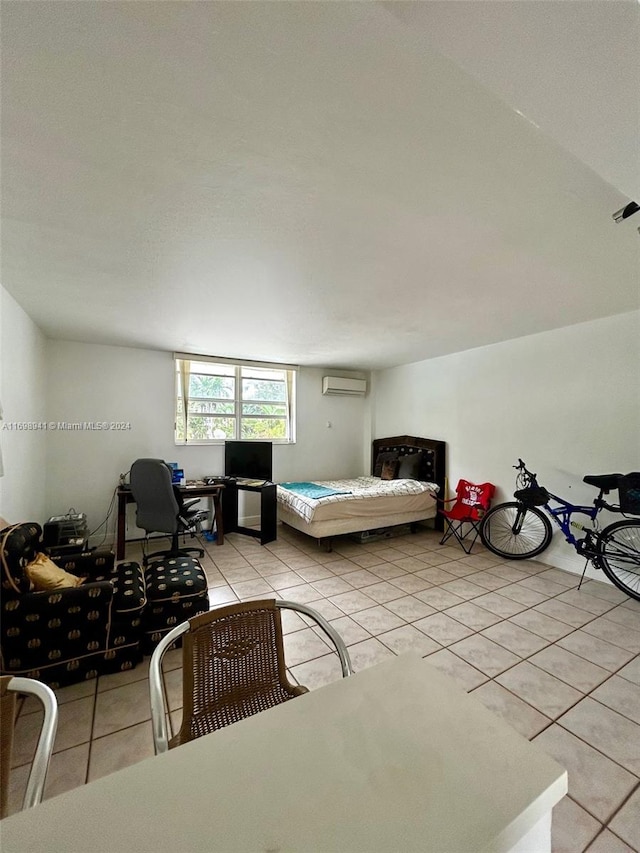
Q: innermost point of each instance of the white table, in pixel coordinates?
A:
(396, 758)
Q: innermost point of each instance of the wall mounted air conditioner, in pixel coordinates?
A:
(344, 387)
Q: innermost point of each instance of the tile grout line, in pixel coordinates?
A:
(632, 792)
(91, 738)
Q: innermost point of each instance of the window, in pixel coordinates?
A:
(229, 400)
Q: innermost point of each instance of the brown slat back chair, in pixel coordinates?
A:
(233, 667)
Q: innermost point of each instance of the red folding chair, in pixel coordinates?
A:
(465, 516)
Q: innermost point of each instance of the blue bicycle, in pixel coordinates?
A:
(519, 530)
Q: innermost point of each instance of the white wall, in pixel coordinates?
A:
(102, 383)
(22, 394)
(566, 401)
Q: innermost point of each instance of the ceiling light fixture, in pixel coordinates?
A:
(626, 212)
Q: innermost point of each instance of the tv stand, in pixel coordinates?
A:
(268, 509)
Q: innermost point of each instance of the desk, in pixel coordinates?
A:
(125, 497)
(268, 510)
(395, 759)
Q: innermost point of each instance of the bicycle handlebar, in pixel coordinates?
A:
(522, 467)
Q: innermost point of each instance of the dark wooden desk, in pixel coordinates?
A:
(125, 497)
(268, 510)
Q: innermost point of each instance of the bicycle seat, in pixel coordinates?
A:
(606, 482)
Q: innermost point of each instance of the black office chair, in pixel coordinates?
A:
(160, 508)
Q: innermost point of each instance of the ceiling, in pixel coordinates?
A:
(348, 185)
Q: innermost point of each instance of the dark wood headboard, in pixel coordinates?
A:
(434, 458)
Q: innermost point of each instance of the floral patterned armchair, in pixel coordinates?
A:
(66, 635)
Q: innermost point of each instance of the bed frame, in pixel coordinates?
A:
(434, 459)
(432, 470)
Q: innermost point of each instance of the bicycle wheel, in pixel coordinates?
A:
(619, 555)
(515, 532)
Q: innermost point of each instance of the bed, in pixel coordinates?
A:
(371, 503)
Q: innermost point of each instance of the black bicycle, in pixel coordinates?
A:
(518, 530)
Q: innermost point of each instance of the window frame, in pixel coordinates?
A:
(234, 368)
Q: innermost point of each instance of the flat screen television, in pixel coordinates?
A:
(251, 460)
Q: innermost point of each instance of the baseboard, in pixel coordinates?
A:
(572, 562)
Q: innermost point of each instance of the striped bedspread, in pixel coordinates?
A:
(356, 489)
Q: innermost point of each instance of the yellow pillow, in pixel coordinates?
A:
(44, 575)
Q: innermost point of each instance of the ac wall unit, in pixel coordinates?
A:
(344, 387)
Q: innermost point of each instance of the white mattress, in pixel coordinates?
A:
(337, 527)
(368, 498)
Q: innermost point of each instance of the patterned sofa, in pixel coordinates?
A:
(71, 634)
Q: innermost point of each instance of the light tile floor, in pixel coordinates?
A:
(561, 666)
